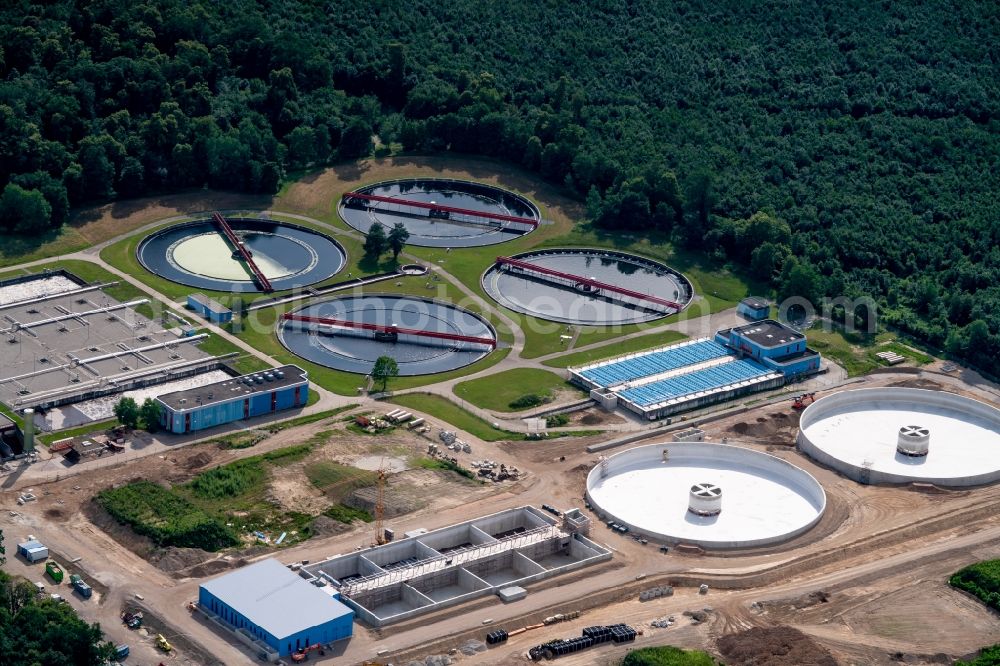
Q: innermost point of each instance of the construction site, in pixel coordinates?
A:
(715, 480)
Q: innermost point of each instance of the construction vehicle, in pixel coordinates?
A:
(800, 402)
(161, 642)
(80, 586)
(301, 655)
(132, 620)
(383, 473)
(54, 571)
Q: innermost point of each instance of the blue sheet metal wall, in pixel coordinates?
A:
(334, 630)
(209, 416)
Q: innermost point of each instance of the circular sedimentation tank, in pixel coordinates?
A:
(563, 289)
(904, 435)
(674, 493)
(355, 350)
(507, 215)
(199, 255)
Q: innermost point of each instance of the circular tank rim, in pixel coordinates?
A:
(528, 203)
(802, 480)
(195, 219)
(279, 324)
(630, 255)
(829, 404)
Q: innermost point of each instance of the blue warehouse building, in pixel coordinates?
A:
(209, 308)
(274, 610)
(244, 397)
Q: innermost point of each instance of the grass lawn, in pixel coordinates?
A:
(667, 655)
(97, 428)
(498, 391)
(245, 363)
(616, 349)
(718, 287)
(449, 412)
(856, 353)
(21, 249)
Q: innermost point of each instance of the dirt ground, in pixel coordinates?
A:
(70, 501)
(880, 557)
(313, 194)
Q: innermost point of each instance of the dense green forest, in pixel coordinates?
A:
(835, 148)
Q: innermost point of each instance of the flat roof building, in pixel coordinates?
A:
(753, 307)
(209, 308)
(65, 341)
(267, 604)
(243, 397)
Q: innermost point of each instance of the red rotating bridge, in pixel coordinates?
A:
(238, 245)
(438, 208)
(588, 282)
(389, 330)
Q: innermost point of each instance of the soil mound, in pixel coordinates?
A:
(773, 646)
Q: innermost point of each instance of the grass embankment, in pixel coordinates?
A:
(628, 346)
(449, 412)
(508, 390)
(337, 482)
(217, 509)
(244, 363)
(667, 656)
(96, 428)
(856, 353)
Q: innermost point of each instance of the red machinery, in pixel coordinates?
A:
(392, 331)
(301, 655)
(241, 249)
(802, 401)
(438, 208)
(587, 282)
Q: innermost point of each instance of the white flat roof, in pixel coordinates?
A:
(764, 499)
(861, 429)
(275, 598)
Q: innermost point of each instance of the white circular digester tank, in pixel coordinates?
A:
(673, 493)
(883, 435)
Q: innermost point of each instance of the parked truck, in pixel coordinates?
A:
(54, 571)
(77, 582)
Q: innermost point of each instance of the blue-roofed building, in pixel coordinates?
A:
(274, 609)
(660, 382)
